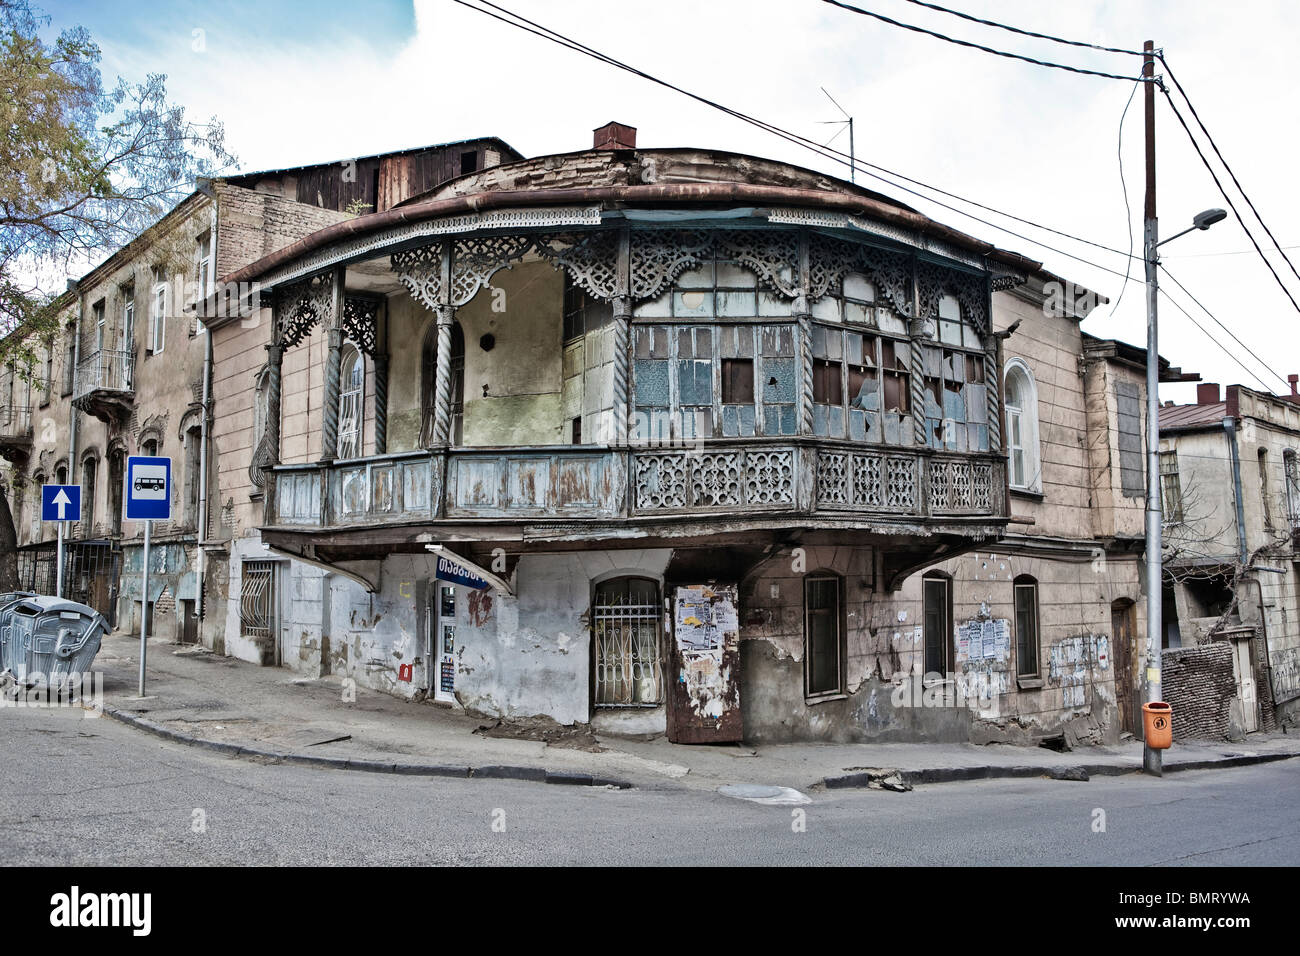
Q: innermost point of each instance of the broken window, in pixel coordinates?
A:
(937, 624)
(824, 672)
(1026, 595)
(853, 375)
(956, 402)
(1171, 491)
(626, 620)
(718, 288)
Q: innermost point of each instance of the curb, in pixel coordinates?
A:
(489, 772)
(1077, 772)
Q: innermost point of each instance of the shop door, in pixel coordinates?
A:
(704, 695)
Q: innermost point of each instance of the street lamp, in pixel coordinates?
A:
(1151, 758)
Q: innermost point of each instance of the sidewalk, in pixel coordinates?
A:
(265, 713)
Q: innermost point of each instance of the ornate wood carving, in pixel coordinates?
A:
(420, 270)
(591, 259)
(477, 259)
(361, 322)
(298, 307)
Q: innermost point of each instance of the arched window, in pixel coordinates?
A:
(351, 403)
(626, 618)
(1024, 471)
(1026, 593)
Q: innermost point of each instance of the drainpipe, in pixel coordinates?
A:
(1230, 428)
(201, 570)
(72, 407)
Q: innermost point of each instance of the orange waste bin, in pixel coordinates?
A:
(1158, 725)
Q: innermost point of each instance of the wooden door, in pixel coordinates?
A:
(1123, 624)
(704, 692)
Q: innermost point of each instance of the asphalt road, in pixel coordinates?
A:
(78, 791)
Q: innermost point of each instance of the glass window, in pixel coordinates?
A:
(937, 625)
(1026, 595)
(1021, 408)
(823, 635)
(351, 405)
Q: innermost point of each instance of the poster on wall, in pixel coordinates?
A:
(704, 695)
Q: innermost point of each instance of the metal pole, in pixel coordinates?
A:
(1151, 758)
(144, 604)
(58, 572)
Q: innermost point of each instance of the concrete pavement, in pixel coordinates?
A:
(272, 715)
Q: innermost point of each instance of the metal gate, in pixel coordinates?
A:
(626, 630)
(91, 573)
(257, 600)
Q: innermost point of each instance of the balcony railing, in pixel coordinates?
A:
(737, 478)
(16, 423)
(105, 370)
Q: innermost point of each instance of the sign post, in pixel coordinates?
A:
(148, 497)
(60, 503)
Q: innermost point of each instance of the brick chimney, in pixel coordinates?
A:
(1207, 393)
(1293, 378)
(614, 136)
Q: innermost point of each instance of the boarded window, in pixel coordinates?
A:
(1026, 589)
(1128, 404)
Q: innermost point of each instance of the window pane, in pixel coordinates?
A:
(826, 383)
(737, 381)
(821, 598)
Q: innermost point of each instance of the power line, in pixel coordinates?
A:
(1265, 365)
(1026, 33)
(975, 46)
(1235, 181)
(569, 43)
(1226, 198)
(1128, 211)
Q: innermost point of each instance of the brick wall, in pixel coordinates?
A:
(1199, 685)
(254, 224)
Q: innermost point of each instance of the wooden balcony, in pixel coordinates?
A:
(16, 433)
(570, 488)
(105, 385)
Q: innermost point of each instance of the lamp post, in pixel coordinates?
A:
(1151, 758)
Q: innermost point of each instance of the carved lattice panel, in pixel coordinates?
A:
(769, 478)
(660, 255)
(361, 322)
(900, 483)
(661, 481)
(298, 307)
(830, 259)
(420, 270)
(715, 480)
(982, 488)
(832, 479)
(772, 254)
(590, 259)
(961, 485)
(867, 485)
(933, 281)
(475, 260)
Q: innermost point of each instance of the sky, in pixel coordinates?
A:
(303, 82)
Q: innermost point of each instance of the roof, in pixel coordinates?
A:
(255, 173)
(1135, 356)
(1192, 416)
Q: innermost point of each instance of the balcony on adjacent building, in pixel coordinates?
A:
(16, 433)
(105, 385)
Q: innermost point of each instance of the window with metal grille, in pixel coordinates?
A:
(1026, 589)
(824, 657)
(626, 620)
(257, 599)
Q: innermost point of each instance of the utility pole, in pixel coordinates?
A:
(1151, 758)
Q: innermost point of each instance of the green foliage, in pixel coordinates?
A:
(87, 169)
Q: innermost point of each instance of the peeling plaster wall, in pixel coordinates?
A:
(885, 699)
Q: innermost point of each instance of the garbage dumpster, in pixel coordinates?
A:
(7, 601)
(50, 638)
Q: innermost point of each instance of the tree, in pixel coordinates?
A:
(87, 168)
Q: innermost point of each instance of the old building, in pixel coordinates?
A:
(681, 440)
(127, 373)
(1231, 493)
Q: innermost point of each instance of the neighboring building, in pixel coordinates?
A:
(681, 440)
(1231, 494)
(125, 374)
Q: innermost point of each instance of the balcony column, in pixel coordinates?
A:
(271, 439)
(446, 315)
(381, 385)
(802, 313)
(333, 373)
(622, 340)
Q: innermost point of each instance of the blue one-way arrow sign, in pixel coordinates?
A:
(60, 502)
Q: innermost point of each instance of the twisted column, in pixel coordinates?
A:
(917, 357)
(330, 412)
(442, 398)
(622, 348)
(381, 404)
(993, 395)
(804, 318)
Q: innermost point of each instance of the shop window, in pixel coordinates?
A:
(1026, 601)
(823, 636)
(626, 621)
